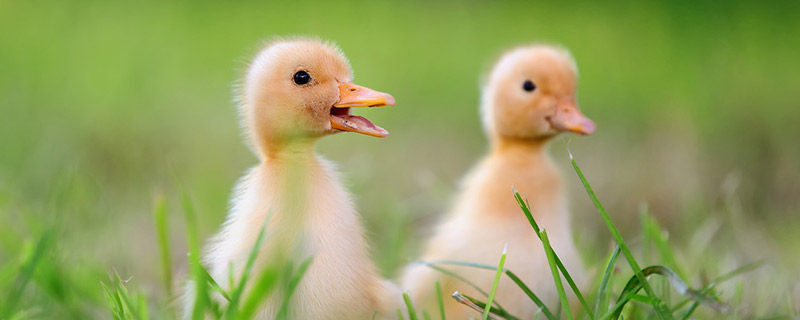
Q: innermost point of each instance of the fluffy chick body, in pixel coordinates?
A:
(485, 216)
(298, 194)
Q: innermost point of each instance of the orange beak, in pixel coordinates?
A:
(355, 96)
(569, 118)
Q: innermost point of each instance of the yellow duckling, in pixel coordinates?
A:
(529, 99)
(295, 92)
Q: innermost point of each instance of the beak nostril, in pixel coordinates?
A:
(353, 89)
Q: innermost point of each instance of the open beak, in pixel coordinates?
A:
(355, 96)
(569, 118)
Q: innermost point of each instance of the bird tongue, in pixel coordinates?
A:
(346, 122)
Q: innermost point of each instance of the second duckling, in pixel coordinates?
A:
(529, 99)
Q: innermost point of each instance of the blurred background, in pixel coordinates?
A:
(105, 105)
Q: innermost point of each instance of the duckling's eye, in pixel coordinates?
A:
(528, 86)
(301, 77)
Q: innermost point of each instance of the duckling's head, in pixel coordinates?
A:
(300, 90)
(530, 95)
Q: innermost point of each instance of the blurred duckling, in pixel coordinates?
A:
(295, 92)
(529, 98)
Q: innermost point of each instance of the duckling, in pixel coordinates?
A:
(529, 98)
(295, 92)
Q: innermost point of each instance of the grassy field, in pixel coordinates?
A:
(107, 106)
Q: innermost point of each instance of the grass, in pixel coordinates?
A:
(603, 309)
(124, 301)
(562, 295)
(496, 281)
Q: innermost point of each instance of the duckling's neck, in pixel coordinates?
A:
(518, 146)
(292, 165)
(292, 150)
(524, 165)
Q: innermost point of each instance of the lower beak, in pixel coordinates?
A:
(355, 96)
(569, 118)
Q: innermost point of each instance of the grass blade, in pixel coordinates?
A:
(114, 302)
(529, 215)
(617, 236)
(25, 275)
(530, 295)
(495, 283)
(658, 237)
(562, 295)
(214, 285)
(511, 275)
(293, 282)
(602, 290)
(237, 291)
(467, 302)
(144, 314)
(717, 281)
(634, 285)
(457, 277)
(439, 299)
(412, 315)
(497, 311)
(263, 287)
(201, 299)
(160, 217)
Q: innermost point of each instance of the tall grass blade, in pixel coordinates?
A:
(677, 284)
(126, 299)
(263, 287)
(602, 290)
(617, 236)
(634, 285)
(160, 217)
(529, 215)
(25, 275)
(467, 302)
(114, 302)
(530, 295)
(201, 299)
(511, 275)
(658, 237)
(144, 313)
(495, 283)
(457, 277)
(412, 314)
(562, 295)
(293, 282)
(237, 291)
(496, 311)
(710, 287)
(214, 285)
(439, 299)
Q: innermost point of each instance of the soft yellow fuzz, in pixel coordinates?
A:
(312, 215)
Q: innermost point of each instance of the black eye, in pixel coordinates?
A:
(528, 86)
(301, 77)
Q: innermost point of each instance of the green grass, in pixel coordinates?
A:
(125, 301)
(628, 293)
(496, 281)
(440, 300)
(657, 304)
(562, 295)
